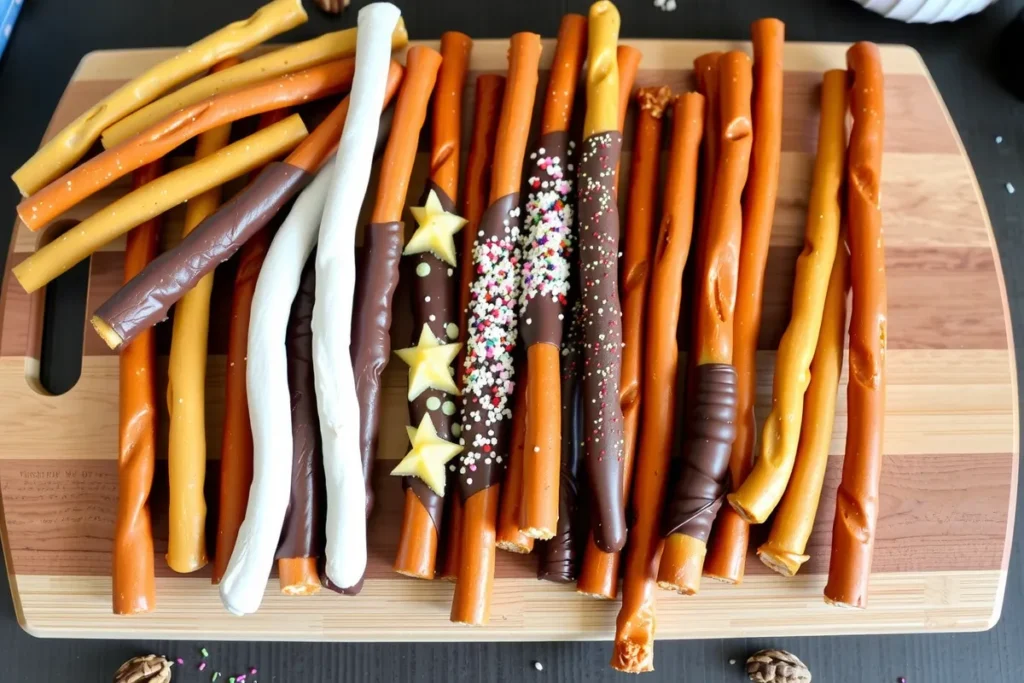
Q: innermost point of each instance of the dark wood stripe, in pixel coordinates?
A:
(938, 512)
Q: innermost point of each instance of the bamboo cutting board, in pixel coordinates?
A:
(951, 443)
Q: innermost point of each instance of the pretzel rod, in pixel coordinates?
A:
(286, 60)
(164, 136)
(699, 490)
(853, 533)
(133, 575)
(599, 287)
(154, 198)
(434, 299)
(547, 249)
(236, 441)
(509, 536)
(490, 89)
(760, 493)
(628, 59)
(146, 300)
(269, 398)
(727, 552)
(634, 632)
(186, 393)
(488, 374)
(335, 327)
(71, 143)
(784, 551)
(599, 575)
(300, 538)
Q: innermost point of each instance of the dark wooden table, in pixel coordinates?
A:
(51, 38)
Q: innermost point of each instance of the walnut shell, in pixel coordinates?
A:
(147, 669)
(777, 666)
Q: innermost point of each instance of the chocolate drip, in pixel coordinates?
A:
(491, 340)
(701, 487)
(146, 298)
(602, 336)
(301, 533)
(433, 305)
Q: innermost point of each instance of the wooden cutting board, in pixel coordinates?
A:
(951, 442)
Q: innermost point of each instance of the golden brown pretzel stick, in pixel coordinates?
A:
(509, 536)
(480, 485)
(700, 489)
(490, 89)
(186, 389)
(794, 519)
(634, 633)
(418, 538)
(599, 574)
(764, 486)
(156, 197)
(547, 226)
(628, 59)
(285, 60)
(164, 136)
(727, 552)
(134, 583)
(70, 144)
(853, 533)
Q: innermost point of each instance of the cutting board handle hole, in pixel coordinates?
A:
(57, 325)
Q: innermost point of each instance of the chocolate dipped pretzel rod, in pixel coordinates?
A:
(490, 89)
(186, 391)
(71, 143)
(431, 259)
(764, 487)
(548, 246)
(699, 490)
(634, 632)
(348, 383)
(154, 198)
(167, 134)
(853, 533)
(301, 539)
(488, 375)
(269, 399)
(727, 552)
(784, 551)
(509, 536)
(599, 575)
(133, 575)
(236, 441)
(599, 288)
(286, 60)
(145, 300)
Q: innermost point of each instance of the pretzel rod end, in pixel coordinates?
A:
(602, 70)
(685, 556)
(781, 561)
(298, 576)
(106, 332)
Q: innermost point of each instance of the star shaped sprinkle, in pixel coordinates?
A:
(428, 363)
(429, 454)
(435, 231)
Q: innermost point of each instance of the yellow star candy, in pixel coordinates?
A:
(436, 230)
(428, 363)
(429, 454)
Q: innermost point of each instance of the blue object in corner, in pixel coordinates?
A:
(8, 16)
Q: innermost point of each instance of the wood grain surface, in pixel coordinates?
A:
(951, 444)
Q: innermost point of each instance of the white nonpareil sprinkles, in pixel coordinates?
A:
(548, 228)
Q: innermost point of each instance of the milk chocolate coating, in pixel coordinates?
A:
(145, 299)
(558, 558)
(481, 467)
(433, 305)
(602, 336)
(541, 320)
(702, 484)
(300, 535)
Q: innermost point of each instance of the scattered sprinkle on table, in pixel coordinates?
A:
(204, 652)
(999, 139)
(202, 665)
(252, 671)
(216, 675)
(179, 660)
(901, 679)
(1010, 188)
(732, 662)
(665, 5)
(538, 666)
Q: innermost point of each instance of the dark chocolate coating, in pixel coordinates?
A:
(300, 532)
(145, 299)
(602, 337)
(558, 558)
(482, 466)
(433, 294)
(704, 469)
(541, 319)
